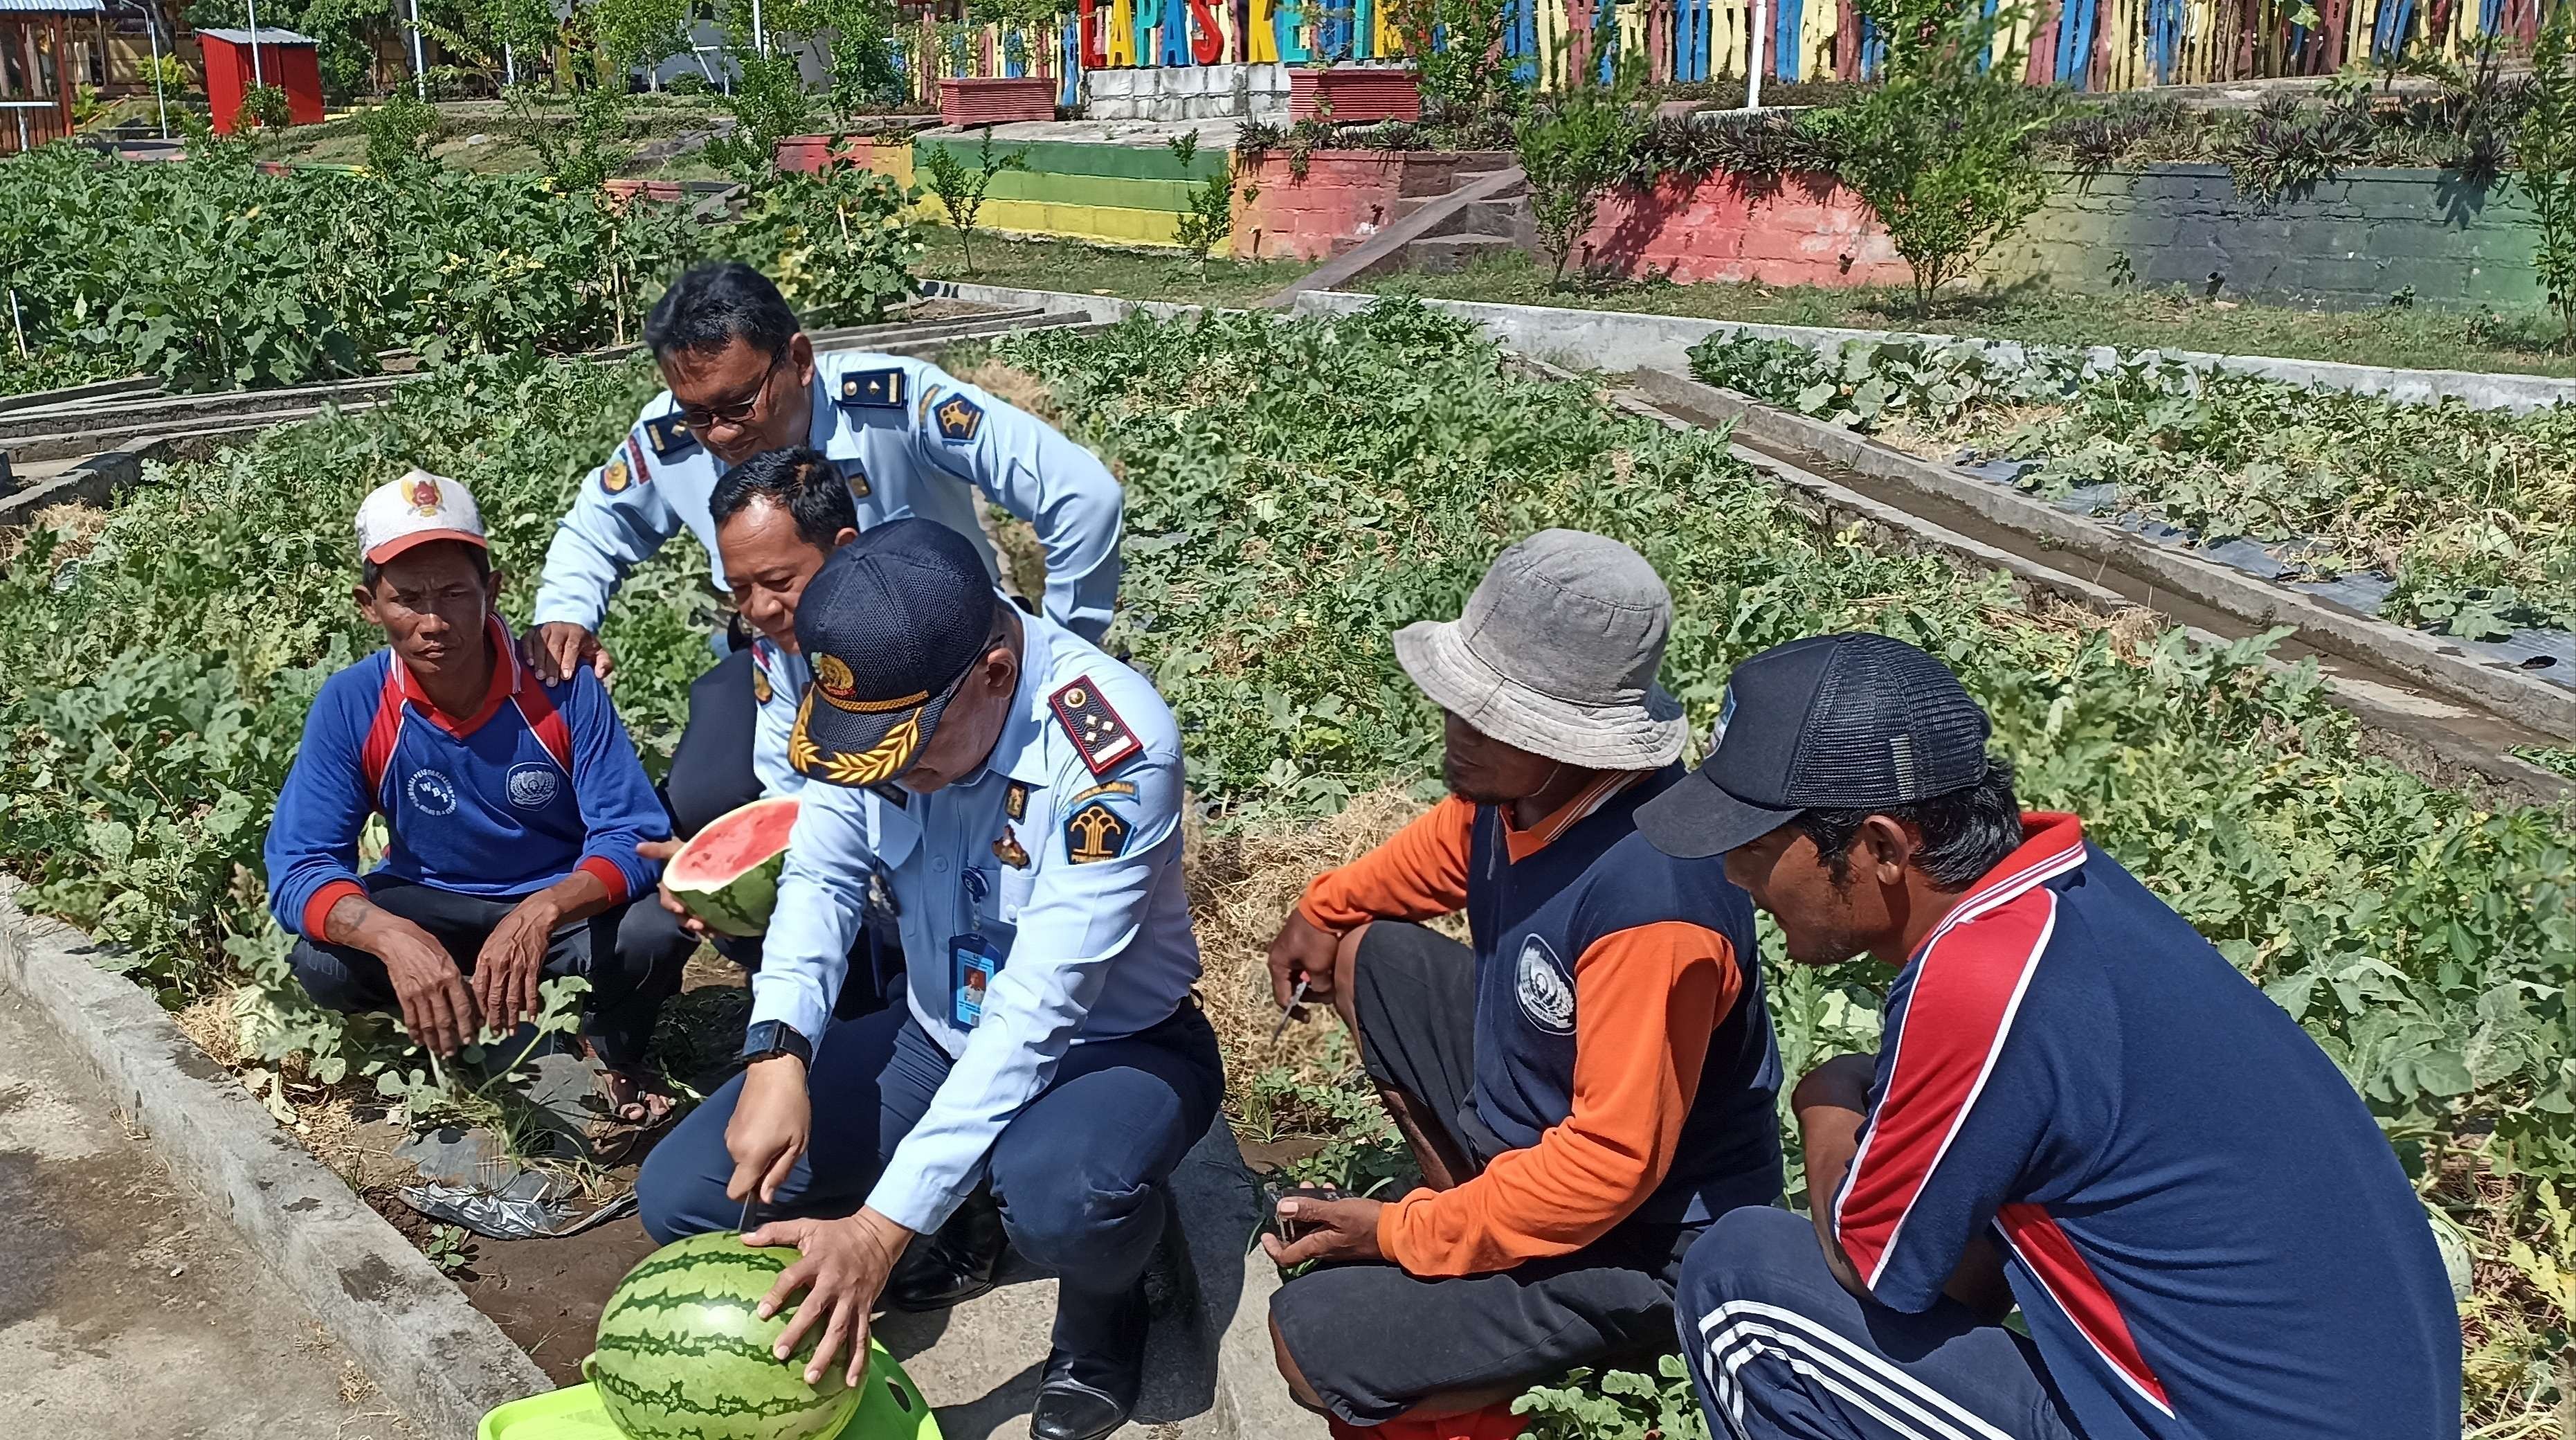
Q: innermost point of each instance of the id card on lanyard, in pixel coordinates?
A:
(973, 958)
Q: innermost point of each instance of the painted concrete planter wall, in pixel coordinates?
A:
(1127, 194)
(2348, 243)
(1344, 197)
(1803, 230)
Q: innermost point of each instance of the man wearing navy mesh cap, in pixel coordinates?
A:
(1020, 792)
(2078, 1106)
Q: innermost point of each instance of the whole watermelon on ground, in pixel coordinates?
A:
(684, 1355)
(727, 875)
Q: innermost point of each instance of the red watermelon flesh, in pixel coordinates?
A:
(727, 875)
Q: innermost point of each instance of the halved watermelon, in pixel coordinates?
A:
(727, 875)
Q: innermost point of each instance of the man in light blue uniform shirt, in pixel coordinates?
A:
(908, 437)
(1028, 793)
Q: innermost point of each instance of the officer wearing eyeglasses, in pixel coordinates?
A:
(910, 439)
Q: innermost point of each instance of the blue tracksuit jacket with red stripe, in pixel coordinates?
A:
(535, 784)
(2208, 1235)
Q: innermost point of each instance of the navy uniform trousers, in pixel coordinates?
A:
(1779, 1350)
(1079, 1172)
(629, 953)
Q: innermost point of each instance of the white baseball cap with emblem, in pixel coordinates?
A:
(414, 510)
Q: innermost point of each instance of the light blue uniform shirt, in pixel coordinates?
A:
(1082, 895)
(922, 446)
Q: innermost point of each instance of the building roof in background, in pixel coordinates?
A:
(52, 7)
(268, 34)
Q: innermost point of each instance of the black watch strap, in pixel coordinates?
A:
(775, 1037)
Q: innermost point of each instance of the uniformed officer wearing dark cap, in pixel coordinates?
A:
(1050, 1046)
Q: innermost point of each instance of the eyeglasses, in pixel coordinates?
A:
(702, 418)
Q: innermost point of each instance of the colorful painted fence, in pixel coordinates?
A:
(2088, 44)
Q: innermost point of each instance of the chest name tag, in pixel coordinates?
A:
(973, 961)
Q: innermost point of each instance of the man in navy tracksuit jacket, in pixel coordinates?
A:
(513, 813)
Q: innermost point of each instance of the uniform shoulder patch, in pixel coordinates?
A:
(958, 418)
(1099, 733)
(669, 437)
(1096, 832)
(873, 389)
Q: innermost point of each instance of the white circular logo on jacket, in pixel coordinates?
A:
(432, 793)
(532, 786)
(1546, 992)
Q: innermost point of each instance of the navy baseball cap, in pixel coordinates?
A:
(890, 625)
(1831, 722)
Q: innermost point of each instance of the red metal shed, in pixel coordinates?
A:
(236, 62)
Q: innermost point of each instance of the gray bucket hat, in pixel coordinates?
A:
(1557, 654)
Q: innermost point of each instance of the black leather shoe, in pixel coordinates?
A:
(1095, 1369)
(956, 1265)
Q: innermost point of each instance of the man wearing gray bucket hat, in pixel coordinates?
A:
(1589, 1082)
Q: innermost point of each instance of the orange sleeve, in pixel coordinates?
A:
(1420, 872)
(1646, 1001)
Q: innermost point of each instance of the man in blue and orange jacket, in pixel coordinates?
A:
(513, 812)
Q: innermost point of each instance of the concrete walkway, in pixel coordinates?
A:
(125, 1309)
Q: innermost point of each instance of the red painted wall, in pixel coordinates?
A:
(1344, 197)
(1805, 230)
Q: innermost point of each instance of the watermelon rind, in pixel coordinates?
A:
(683, 1354)
(741, 905)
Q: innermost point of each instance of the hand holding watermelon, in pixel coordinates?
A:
(842, 1267)
(662, 851)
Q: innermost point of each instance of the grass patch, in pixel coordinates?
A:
(2519, 341)
(1084, 269)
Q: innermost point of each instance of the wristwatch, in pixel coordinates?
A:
(775, 1037)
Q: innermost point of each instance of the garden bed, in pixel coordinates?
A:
(2436, 516)
(1293, 491)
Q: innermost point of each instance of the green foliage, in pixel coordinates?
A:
(1456, 46)
(638, 34)
(768, 104)
(262, 106)
(2546, 148)
(1616, 1405)
(2471, 512)
(1574, 144)
(1946, 149)
(960, 187)
(210, 273)
(859, 48)
(577, 157)
(399, 133)
(1209, 220)
(839, 243)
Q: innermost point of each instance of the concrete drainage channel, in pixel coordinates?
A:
(433, 1356)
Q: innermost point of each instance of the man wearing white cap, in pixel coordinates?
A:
(1585, 1085)
(513, 809)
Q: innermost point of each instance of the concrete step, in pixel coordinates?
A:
(1443, 254)
(1518, 186)
(1509, 219)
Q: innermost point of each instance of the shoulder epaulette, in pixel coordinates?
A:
(1099, 734)
(670, 438)
(873, 389)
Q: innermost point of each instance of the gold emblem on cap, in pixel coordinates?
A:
(880, 764)
(424, 498)
(840, 689)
